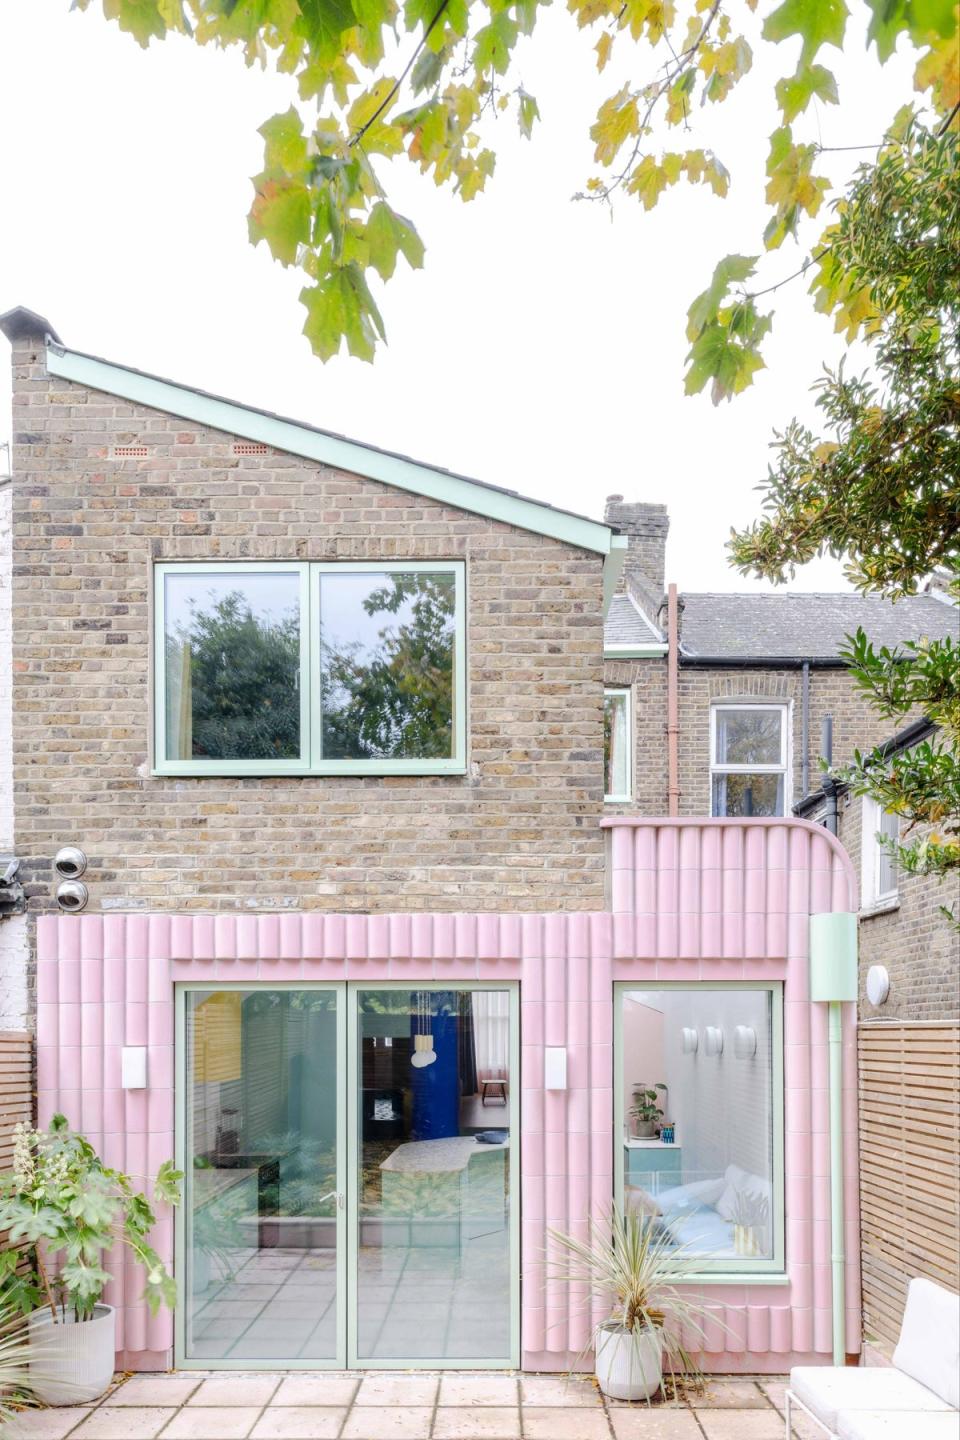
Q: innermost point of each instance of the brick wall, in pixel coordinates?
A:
(518, 831)
(914, 940)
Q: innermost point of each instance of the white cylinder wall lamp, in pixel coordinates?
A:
(713, 1040)
(878, 984)
(690, 1040)
(744, 1042)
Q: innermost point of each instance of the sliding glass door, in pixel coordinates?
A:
(351, 1174)
(433, 1155)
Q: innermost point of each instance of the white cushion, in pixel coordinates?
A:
(898, 1425)
(929, 1346)
(737, 1181)
(698, 1192)
(826, 1390)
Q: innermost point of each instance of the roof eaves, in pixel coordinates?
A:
(327, 448)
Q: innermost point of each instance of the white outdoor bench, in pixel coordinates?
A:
(916, 1398)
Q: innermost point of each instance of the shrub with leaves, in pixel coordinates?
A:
(881, 483)
(63, 1206)
(320, 202)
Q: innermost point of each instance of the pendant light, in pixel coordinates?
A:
(423, 1051)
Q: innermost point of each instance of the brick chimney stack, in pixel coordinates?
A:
(645, 527)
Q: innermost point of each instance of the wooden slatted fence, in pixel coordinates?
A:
(909, 1081)
(16, 1088)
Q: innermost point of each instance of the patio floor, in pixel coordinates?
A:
(424, 1405)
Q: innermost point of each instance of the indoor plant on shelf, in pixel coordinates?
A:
(645, 1112)
(632, 1262)
(63, 1208)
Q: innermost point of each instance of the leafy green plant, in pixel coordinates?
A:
(65, 1207)
(320, 203)
(645, 1107)
(633, 1263)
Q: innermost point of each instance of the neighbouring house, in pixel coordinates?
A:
(314, 739)
(761, 693)
(908, 1044)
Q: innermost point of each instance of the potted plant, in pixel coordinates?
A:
(64, 1207)
(633, 1262)
(645, 1112)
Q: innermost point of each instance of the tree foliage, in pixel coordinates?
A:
(320, 203)
(881, 485)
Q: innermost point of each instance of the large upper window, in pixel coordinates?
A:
(293, 668)
(748, 760)
(698, 1083)
(617, 745)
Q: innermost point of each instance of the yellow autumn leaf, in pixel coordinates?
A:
(617, 120)
(939, 72)
(603, 48)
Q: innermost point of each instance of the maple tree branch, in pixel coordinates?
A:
(682, 63)
(813, 260)
(391, 93)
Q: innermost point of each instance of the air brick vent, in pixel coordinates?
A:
(123, 451)
(245, 449)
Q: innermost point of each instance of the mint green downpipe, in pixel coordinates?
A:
(833, 980)
(837, 1247)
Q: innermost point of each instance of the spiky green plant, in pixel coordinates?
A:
(632, 1263)
(14, 1361)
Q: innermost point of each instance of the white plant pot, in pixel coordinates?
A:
(628, 1367)
(71, 1362)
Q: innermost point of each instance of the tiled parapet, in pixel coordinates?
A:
(713, 899)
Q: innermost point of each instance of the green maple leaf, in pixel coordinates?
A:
(340, 307)
(280, 214)
(922, 18)
(794, 92)
(389, 234)
(494, 43)
(817, 22)
(528, 112)
(732, 269)
(285, 147)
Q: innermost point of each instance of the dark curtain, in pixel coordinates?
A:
(466, 1046)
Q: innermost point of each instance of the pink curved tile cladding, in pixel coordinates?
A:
(720, 899)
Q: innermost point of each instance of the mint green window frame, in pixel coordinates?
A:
(770, 1270)
(348, 1216)
(310, 761)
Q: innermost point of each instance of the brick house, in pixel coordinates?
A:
(328, 729)
(770, 664)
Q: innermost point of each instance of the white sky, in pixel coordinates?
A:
(542, 347)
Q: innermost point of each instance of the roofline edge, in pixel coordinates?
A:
(234, 418)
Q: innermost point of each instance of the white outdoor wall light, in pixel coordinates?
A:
(713, 1040)
(878, 984)
(744, 1042)
(690, 1040)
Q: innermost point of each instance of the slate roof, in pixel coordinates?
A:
(626, 624)
(811, 627)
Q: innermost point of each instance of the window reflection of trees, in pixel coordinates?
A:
(395, 699)
(233, 683)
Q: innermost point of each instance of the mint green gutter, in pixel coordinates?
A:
(343, 454)
(833, 980)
